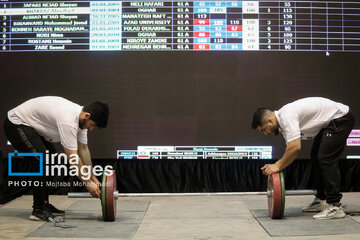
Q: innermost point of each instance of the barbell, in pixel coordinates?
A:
(275, 195)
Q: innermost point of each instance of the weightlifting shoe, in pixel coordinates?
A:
(41, 215)
(49, 207)
(330, 212)
(316, 206)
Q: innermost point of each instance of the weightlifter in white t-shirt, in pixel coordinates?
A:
(329, 123)
(37, 123)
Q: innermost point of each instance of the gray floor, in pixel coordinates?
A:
(180, 217)
(302, 224)
(86, 219)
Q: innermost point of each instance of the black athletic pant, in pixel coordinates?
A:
(26, 139)
(328, 145)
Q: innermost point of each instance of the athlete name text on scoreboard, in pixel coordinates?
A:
(179, 25)
(197, 152)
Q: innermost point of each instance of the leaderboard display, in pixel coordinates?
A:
(179, 26)
(197, 152)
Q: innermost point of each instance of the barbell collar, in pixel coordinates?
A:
(79, 195)
(299, 192)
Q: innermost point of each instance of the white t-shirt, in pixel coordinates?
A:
(54, 118)
(305, 118)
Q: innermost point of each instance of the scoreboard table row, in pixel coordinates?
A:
(180, 25)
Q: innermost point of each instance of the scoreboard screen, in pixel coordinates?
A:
(179, 25)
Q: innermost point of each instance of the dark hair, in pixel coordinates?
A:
(258, 117)
(99, 113)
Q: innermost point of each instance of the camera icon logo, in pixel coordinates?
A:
(17, 154)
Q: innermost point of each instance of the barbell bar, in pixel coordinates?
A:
(118, 195)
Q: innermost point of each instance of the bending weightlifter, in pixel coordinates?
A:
(329, 123)
(39, 122)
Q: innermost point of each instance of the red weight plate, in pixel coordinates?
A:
(274, 195)
(110, 198)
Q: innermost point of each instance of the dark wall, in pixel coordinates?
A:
(180, 98)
